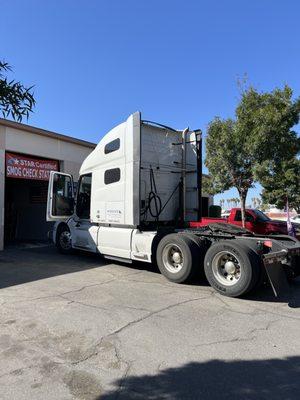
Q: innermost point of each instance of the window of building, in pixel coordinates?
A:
(112, 175)
(83, 204)
(112, 146)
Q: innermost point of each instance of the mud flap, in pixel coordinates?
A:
(277, 277)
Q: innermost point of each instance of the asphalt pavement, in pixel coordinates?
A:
(81, 327)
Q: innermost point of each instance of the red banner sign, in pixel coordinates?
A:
(23, 167)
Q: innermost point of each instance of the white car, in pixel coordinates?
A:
(296, 219)
(225, 214)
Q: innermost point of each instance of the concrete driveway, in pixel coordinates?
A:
(79, 327)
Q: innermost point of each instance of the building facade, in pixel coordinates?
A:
(27, 154)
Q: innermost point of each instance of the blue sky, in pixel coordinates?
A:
(94, 62)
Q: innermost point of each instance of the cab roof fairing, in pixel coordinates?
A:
(94, 159)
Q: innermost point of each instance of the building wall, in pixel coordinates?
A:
(70, 155)
(2, 181)
(25, 142)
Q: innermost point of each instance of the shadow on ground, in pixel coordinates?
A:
(213, 380)
(20, 265)
(265, 294)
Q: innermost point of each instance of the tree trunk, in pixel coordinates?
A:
(243, 196)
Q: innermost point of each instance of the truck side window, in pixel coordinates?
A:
(112, 146)
(112, 175)
(238, 215)
(249, 218)
(83, 204)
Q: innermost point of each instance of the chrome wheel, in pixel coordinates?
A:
(226, 268)
(65, 240)
(172, 258)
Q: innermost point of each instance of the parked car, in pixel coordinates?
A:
(225, 214)
(296, 219)
(256, 221)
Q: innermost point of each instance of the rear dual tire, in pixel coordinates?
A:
(232, 268)
(177, 257)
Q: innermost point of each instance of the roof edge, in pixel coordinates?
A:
(44, 132)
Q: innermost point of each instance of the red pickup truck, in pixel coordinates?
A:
(256, 222)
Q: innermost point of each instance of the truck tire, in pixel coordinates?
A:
(199, 259)
(232, 268)
(177, 257)
(64, 239)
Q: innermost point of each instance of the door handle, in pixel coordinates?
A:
(77, 225)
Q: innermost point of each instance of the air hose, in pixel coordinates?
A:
(154, 200)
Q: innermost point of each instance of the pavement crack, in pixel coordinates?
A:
(71, 301)
(94, 352)
(150, 314)
(243, 338)
(87, 286)
(134, 308)
(59, 294)
(122, 380)
(18, 370)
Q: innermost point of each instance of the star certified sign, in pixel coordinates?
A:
(23, 167)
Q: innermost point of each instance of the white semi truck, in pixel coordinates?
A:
(136, 194)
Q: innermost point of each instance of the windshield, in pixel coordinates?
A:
(261, 217)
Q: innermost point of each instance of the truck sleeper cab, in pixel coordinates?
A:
(136, 191)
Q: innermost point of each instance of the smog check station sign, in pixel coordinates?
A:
(23, 167)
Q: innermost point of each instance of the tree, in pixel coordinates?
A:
(240, 151)
(16, 100)
(282, 183)
(227, 159)
(207, 185)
